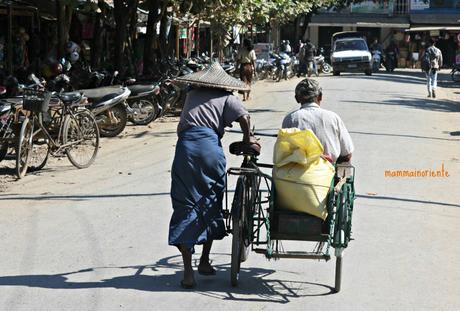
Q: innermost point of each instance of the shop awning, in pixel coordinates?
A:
(421, 29)
(360, 20)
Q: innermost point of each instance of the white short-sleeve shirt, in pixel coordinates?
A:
(327, 126)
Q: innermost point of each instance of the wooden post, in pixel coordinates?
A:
(10, 40)
(60, 29)
(178, 41)
(211, 38)
(197, 37)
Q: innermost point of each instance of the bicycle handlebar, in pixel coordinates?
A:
(255, 133)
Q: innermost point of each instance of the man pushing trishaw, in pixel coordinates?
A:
(198, 215)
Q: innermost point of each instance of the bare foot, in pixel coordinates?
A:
(189, 279)
(205, 268)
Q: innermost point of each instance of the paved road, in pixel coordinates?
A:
(96, 239)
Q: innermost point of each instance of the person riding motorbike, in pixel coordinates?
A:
(391, 56)
(307, 56)
(376, 46)
(327, 125)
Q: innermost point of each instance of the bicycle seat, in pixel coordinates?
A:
(242, 148)
(70, 97)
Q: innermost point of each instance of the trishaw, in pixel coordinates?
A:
(258, 224)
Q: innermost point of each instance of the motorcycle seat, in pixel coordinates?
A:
(70, 97)
(140, 89)
(105, 98)
(102, 93)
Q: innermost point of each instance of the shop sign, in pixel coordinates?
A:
(434, 33)
(379, 7)
(432, 6)
(418, 5)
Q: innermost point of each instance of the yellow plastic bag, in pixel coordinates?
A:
(302, 178)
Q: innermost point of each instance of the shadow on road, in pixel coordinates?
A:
(379, 197)
(407, 136)
(441, 105)
(77, 197)
(255, 284)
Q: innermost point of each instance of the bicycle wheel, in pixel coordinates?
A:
(39, 153)
(23, 148)
(81, 134)
(237, 230)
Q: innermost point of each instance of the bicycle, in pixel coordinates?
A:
(10, 117)
(67, 129)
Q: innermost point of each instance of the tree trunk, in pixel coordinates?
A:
(121, 32)
(151, 35)
(122, 12)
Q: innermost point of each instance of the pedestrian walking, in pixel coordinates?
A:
(246, 60)
(198, 171)
(431, 63)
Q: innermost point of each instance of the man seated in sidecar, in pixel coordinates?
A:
(311, 140)
(327, 125)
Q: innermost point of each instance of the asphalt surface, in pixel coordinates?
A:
(96, 239)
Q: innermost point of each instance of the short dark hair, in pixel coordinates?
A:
(432, 41)
(248, 44)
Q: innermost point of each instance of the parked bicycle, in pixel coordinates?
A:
(63, 129)
(10, 117)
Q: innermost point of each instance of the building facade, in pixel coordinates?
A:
(409, 23)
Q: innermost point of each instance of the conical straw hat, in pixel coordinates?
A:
(214, 76)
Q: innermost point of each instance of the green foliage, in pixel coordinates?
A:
(255, 12)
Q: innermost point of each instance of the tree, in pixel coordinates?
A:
(125, 17)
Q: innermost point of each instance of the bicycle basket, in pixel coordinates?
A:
(36, 101)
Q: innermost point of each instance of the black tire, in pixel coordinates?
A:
(23, 148)
(368, 72)
(39, 154)
(83, 131)
(278, 75)
(237, 246)
(112, 130)
(326, 68)
(338, 274)
(237, 231)
(147, 110)
(3, 150)
(336, 73)
(262, 75)
(455, 75)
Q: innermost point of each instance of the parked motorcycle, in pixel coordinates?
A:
(321, 64)
(109, 106)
